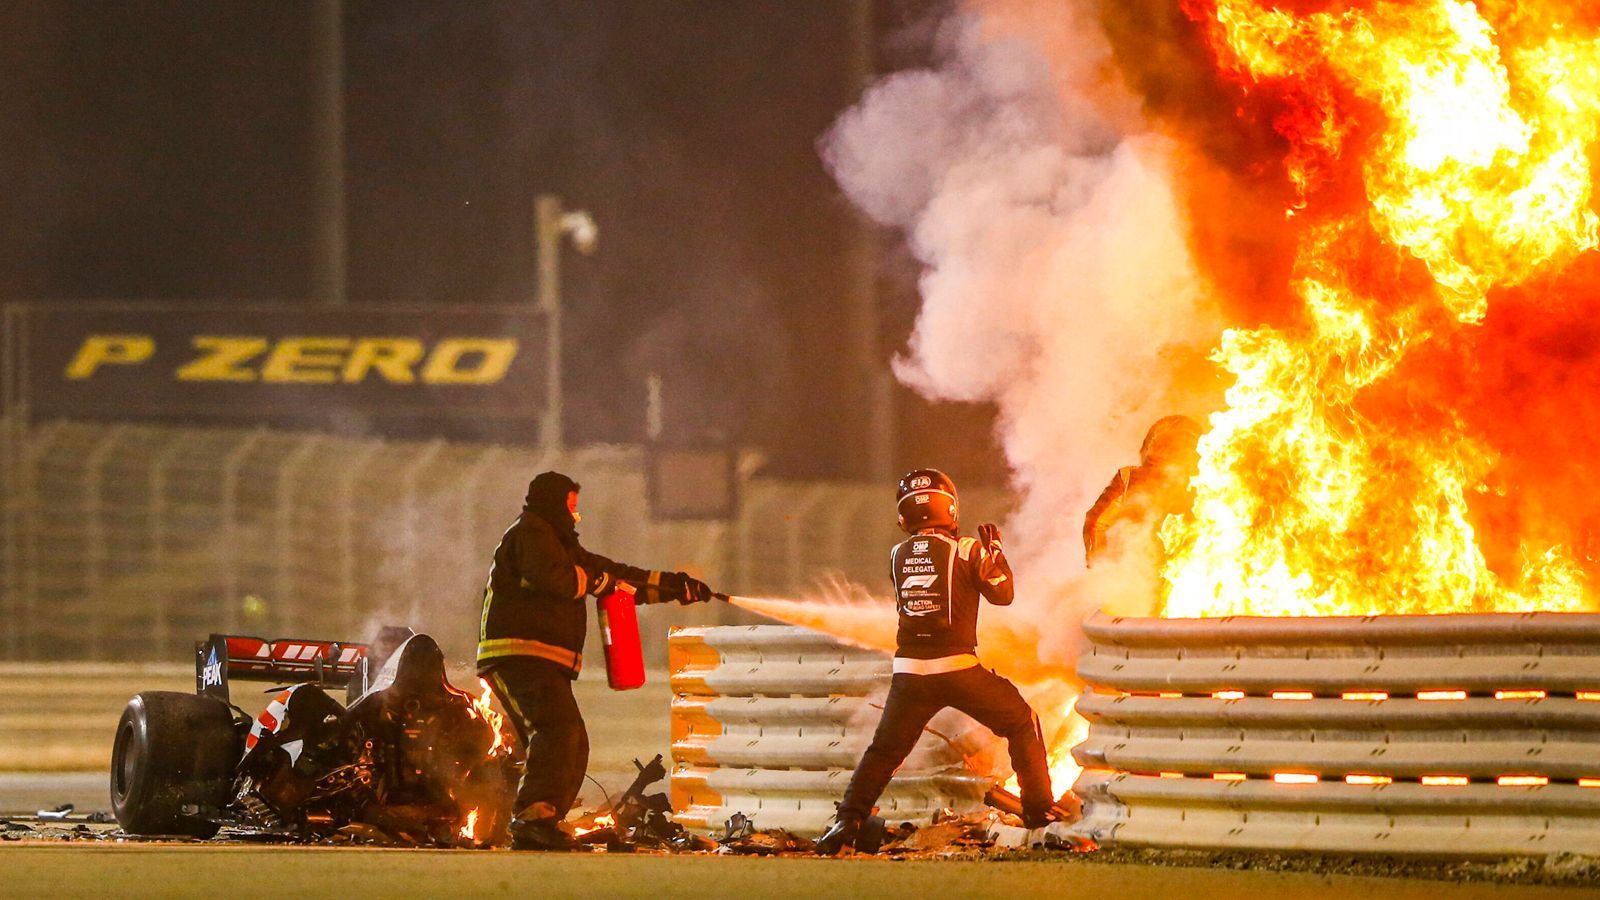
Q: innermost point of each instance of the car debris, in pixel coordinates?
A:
(410, 761)
(1066, 809)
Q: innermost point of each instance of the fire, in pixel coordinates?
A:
(482, 709)
(1439, 151)
(606, 820)
(469, 827)
(1064, 770)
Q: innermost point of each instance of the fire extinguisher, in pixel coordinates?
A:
(619, 630)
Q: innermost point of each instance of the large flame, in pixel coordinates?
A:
(1414, 435)
(1440, 151)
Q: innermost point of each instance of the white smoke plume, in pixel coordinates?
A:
(1056, 279)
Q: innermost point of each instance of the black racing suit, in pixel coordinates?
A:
(530, 648)
(939, 582)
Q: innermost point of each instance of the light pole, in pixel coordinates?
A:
(875, 413)
(330, 258)
(551, 224)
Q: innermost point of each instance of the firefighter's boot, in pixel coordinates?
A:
(540, 834)
(840, 835)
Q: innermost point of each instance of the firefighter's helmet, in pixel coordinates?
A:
(926, 499)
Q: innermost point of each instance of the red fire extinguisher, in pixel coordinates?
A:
(619, 630)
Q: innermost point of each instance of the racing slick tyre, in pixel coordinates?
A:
(172, 751)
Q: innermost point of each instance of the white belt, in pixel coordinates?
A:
(907, 666)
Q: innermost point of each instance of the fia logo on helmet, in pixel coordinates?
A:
(920, 482)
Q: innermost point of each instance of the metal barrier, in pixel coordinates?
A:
(770, 720)
(1456, 735)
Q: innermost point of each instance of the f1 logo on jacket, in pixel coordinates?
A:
(922, 568)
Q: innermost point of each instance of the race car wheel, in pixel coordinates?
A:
(172, 751)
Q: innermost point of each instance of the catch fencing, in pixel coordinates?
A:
(770, 720)
(1457, 735)
(130, 541)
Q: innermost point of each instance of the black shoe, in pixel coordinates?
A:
(540, 834)
(840, 835)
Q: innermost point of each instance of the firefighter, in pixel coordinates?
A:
(530, 646)
(1154, 489)
(939, 579)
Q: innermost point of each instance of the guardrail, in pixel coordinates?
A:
(769, 721)
(1457, 735)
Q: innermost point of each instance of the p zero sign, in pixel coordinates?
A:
(467, 371)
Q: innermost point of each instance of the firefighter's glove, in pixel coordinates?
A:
(698, 591)
(989, 536)
(684, 589)
(601, 584)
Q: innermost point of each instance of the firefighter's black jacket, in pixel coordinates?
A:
(939, 580)
(534, 604)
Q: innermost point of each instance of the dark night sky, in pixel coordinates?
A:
(161, 150)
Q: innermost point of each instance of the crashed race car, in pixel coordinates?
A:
(407, 759)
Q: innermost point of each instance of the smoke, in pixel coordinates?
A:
(1057, 281)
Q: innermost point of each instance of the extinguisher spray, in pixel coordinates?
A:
(619, 630)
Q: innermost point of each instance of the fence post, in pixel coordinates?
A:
(795, 543)
(283, 524)
(349, 582)
(38, 443)
(854, 526)
(161, 628)
(230, 516)
(12, 425)
(470, 485)
(94, 558)
(410, 535)
(12, 436)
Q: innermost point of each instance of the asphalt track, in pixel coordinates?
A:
(145, 870)
(57, 737)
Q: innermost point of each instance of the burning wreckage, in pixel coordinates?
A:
(410, 760)
(407, 759)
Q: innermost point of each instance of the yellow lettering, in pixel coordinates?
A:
(390, 357)
(109, 349)
(306, 360)
(222, 358)
(493, 360)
